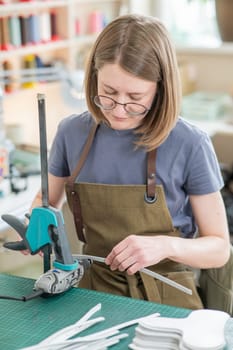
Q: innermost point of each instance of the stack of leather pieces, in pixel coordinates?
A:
(201, 330)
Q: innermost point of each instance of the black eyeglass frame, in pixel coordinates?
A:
(132, 114)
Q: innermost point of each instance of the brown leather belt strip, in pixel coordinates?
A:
(150, 195)
(70, 186)
(84, 153)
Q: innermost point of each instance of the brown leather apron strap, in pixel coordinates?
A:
(84, 153)
(150, 195)
(74, 200)
(75, 206)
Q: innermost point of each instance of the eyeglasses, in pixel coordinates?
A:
(131, 108)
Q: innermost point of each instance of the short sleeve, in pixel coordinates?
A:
(57, 164)
(67, 145)
(203, 170)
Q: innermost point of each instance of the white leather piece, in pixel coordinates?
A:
(201, 330)
(205, 329)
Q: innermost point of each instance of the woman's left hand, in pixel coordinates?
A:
(135, 252)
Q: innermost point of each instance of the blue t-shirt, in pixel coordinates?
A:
(186, 163)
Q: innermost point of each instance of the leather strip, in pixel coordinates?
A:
(84, 154)
(76, 211)
(70, 186)
(151, 174)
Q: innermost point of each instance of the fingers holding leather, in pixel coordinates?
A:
(127, 263)
(114, 255)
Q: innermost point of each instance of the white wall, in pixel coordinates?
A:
(214, 67)
(140, 6)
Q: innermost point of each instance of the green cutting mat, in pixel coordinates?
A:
(26, 323)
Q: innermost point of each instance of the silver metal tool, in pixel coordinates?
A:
(144, 270)
(43, 150)
(56, 281)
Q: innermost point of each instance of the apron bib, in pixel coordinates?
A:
(105, 214)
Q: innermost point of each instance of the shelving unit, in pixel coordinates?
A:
(77, 24)
(19, 106)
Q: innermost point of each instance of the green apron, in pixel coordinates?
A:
(216, 287)
(106, 214)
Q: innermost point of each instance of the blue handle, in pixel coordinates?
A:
(37, 232)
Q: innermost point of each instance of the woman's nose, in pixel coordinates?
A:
(120, 108)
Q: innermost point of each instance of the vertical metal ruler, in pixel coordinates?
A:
(47, 250)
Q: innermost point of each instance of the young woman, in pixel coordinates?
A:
(148, 188)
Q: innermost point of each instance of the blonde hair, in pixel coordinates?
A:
(142, 47)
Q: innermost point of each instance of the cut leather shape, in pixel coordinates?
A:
(201, 330)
